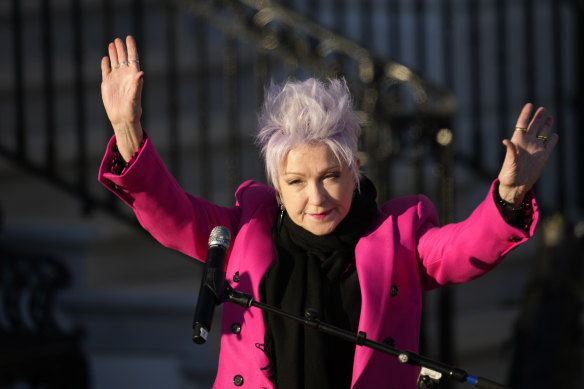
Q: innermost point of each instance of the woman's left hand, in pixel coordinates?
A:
(527, 154)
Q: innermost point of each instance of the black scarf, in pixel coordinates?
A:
(317, 272)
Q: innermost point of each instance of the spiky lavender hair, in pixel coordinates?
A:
(307, 112)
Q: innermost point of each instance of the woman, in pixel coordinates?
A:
(316, 238)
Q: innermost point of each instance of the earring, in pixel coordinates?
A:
(282, 210)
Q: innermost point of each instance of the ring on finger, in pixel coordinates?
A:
(542, 138)
(123, 63)
(133, 61)
(521, 129)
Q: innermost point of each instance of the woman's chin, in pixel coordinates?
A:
(320, 228)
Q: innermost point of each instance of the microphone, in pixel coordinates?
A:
(212, 283)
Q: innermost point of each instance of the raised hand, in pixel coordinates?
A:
(527, 154)
(121, 92)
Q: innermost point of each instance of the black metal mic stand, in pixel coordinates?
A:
(432, 371)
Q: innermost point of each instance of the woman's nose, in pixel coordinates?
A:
(317, 194)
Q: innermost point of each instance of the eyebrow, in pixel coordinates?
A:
(327, 170)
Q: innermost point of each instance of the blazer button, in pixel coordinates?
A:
(393, 291)
(236, 328)
(236, 277)
(389, 342)
(238, 380)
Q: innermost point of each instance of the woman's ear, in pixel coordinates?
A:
(278, 197)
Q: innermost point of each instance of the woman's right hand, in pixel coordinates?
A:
(121, 92)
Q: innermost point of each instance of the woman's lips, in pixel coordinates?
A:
(320, 216)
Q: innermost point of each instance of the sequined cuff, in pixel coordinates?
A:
(519, 217)
(119, 166)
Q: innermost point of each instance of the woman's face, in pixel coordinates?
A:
(315, 188)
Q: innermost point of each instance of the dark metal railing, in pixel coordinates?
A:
(258, 42)
(286, 42)
(391, 98)
(207, 63)
(494, 56)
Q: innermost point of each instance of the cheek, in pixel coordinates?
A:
(292, 201)
(344, 194)
(347, 205)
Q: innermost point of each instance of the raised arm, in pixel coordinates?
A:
(121, 91)
(527, 154)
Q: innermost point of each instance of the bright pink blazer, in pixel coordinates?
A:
(404, 249)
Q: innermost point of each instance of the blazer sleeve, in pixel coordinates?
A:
(460, 252)
(175, 218)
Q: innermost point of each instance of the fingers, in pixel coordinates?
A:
(535, 128)
(541, 127)
(105, 67)
(538, 119)
(120, 54)
(524, 116)
(113, 55)
(525, 125)
(511, 148)
(133, 59)
(546, 128)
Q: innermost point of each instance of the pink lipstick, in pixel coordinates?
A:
(320, 216)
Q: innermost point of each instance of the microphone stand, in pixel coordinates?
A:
(431, 373)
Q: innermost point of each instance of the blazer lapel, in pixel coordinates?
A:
(374, 259)
(255, 255)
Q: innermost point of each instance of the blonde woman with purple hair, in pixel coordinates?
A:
(315, 236)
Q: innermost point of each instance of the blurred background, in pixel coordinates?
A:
(89, 300)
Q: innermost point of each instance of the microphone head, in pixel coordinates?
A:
(220, 236)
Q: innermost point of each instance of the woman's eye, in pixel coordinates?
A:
(294, 182)
(331, 176)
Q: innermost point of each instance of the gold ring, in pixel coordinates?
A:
(542, 138)
(133, 61)
(123, 63)
(521, 129)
